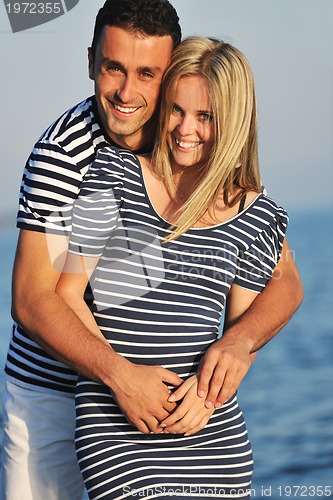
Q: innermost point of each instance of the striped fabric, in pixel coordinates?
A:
(160, 304)
(51, 182)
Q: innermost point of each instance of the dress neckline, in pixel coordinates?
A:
(213, 226)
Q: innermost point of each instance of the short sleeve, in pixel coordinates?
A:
(257, 263)
(50, 184)
(96, 210)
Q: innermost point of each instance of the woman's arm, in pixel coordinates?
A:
(71, 287)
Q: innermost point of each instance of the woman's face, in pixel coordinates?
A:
(190, 132)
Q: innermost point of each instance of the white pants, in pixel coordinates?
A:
(39, 460)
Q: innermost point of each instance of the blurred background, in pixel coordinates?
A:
(287, 397)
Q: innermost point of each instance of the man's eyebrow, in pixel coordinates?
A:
(150, 69)
(141, 69)
(107, 62)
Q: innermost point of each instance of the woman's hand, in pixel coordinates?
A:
(191, 415)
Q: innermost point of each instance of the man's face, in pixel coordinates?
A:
(127, 70)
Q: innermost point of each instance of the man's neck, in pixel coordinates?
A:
(135, 144)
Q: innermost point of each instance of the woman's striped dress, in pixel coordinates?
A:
(160, 304)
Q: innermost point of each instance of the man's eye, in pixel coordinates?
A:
(114, 69)
(147, 75)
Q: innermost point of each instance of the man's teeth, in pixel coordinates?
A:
(124, 110)
(187, 145)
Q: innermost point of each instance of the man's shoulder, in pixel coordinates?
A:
(78, 118)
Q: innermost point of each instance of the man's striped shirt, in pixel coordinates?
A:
(50, 184)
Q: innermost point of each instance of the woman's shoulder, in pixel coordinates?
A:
(271, 205)
(266, 214)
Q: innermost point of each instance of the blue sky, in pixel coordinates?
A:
(288, 43)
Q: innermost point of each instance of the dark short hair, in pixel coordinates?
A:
(151, 17)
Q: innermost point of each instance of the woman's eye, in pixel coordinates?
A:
(176, 109)
(206, 117)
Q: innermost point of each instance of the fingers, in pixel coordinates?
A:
(179, 426)
(158, 410)
(200, 424)
(169, 407)
(183, 389)
(174, 417)
(222, 386)
(189, 423)
(206, 373)
(141, 426)
(221, 372)
(170, 377)
(197, 428)
(146, 427)
(191, 414)
(148, 423)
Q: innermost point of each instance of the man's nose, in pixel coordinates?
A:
(127, 88)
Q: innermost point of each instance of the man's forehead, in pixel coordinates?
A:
(132, 48)
(114, 37)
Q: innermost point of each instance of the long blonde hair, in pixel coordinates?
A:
(233, 160)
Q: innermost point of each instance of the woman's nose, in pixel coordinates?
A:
(186, 125)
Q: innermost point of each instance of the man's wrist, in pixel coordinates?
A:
(112, 367)
(238, 334)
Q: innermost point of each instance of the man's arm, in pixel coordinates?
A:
(246, 334)
(55, 327)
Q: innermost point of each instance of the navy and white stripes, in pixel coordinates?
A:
(50, 184)
(160, 303)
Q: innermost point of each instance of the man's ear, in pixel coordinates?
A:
(91, 64)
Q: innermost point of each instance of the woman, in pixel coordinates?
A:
(164, 240)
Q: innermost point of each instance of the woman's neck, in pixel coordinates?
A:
(185, 180)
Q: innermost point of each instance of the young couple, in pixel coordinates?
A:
(155, 183)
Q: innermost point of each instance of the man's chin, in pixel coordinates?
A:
(126, 138)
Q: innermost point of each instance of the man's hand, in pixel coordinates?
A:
(222, 369)
(142, 393)
(227, 361)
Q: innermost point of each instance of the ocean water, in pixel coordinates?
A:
(287, 396)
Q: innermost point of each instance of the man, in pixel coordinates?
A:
(131, 48)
